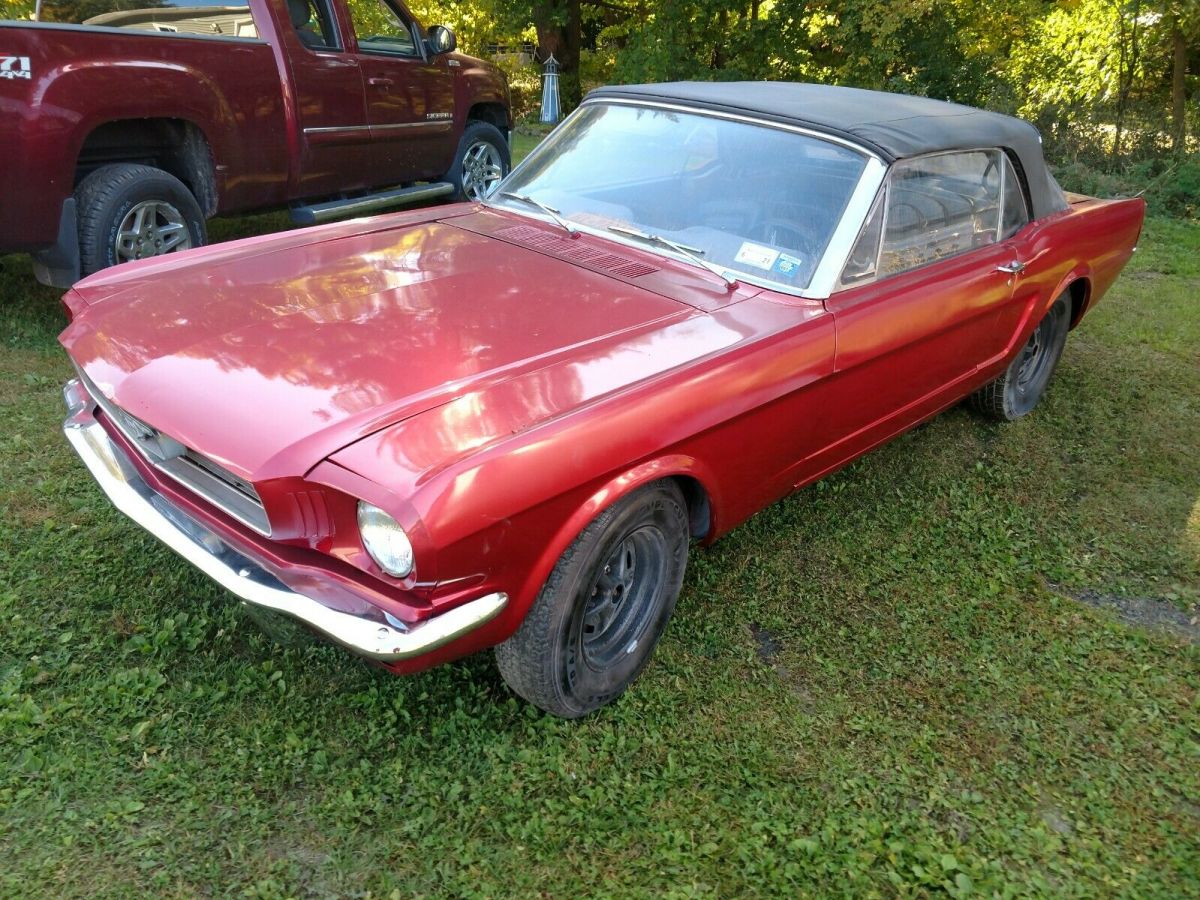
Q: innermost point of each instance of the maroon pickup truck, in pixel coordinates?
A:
(123, 129)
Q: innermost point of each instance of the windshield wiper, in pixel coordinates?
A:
(692, 253)
(548, 210)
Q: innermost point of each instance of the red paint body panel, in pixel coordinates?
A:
(326, 342)
(494, 389)
(251, 100)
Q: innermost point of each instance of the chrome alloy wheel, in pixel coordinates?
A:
(151, 228)
(482, 169)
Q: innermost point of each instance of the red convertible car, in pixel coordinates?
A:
(502, 424)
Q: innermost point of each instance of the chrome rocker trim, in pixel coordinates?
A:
(375, 639)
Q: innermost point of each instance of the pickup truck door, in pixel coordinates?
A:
(409, 94)
(328, 94)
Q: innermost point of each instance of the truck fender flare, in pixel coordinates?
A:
(194, 86)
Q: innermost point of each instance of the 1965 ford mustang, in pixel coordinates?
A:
(502, 424)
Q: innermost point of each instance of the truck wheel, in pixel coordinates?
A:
(129, 212)
(599, 616)
(1018, 390)
(481, 160)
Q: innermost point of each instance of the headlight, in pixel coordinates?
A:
(385, 540)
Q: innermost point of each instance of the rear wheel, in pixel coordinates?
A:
(1019, 389)
(129, 212)
(481, 160)
(599, 616)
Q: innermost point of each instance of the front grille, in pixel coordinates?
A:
(196, 472)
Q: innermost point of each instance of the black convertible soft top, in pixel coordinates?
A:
(894, 126)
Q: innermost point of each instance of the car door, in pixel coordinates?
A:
(921, 302)
(409, 93)
(328, 96)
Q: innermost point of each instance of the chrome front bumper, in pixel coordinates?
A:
(383, 639)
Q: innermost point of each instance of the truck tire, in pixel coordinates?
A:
(129, 212)
(481, 160)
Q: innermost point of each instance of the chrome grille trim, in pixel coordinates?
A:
(199, 474)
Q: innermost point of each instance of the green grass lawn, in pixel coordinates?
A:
(889, 683)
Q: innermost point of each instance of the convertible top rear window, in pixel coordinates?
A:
(757, 200)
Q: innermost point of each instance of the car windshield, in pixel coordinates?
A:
(744, 197)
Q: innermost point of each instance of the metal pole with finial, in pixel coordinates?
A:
(551, 106)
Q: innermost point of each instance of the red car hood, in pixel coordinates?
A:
(271, 355)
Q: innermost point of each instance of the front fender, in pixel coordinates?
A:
(601, 498)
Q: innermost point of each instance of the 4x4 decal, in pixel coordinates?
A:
(14, 67)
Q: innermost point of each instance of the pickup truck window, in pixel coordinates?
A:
(380, 28)
(210, 18)
(313, 24)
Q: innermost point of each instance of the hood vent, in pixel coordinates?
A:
(575, 251)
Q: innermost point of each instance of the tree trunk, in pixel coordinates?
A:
(1178, 89)
(559, 31)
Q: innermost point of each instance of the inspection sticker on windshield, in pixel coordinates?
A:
(787, 265)
(756, 255)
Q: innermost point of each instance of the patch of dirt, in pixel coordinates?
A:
(1146, 612)
(768, 648)
(768, 644)
(1055, 820)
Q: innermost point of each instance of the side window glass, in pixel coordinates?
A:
(861, 264)
(313, 24)
(940, 206)
(1016, 216)
(228, 18)
(380, 29)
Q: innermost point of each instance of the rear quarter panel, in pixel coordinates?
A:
(1091, 241)
(82, 77)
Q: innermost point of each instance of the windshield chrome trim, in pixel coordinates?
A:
(828, 269)
(825, 277)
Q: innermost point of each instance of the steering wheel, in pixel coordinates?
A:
(789, 234)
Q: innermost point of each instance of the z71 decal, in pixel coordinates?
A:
(14, 67)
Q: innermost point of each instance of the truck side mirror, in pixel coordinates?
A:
(441, 40)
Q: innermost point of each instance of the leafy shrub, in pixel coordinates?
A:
(1171, 187)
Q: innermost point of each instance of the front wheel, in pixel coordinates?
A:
(481, 160)
(129, 212)
(1019, 389)
(599, 616)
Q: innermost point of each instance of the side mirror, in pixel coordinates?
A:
(441, 40)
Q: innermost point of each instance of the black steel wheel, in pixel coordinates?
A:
(601, 613)
(1018, 390)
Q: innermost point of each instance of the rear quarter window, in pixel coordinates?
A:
(940, 206)
(225, 18)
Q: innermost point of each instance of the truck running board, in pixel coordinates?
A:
(359, 206)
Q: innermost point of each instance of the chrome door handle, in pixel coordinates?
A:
(380, 82)
(1013, 268)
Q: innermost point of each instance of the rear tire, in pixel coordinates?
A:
(129, 211)
(481, 160)
(600, 614)
(1016, 392)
